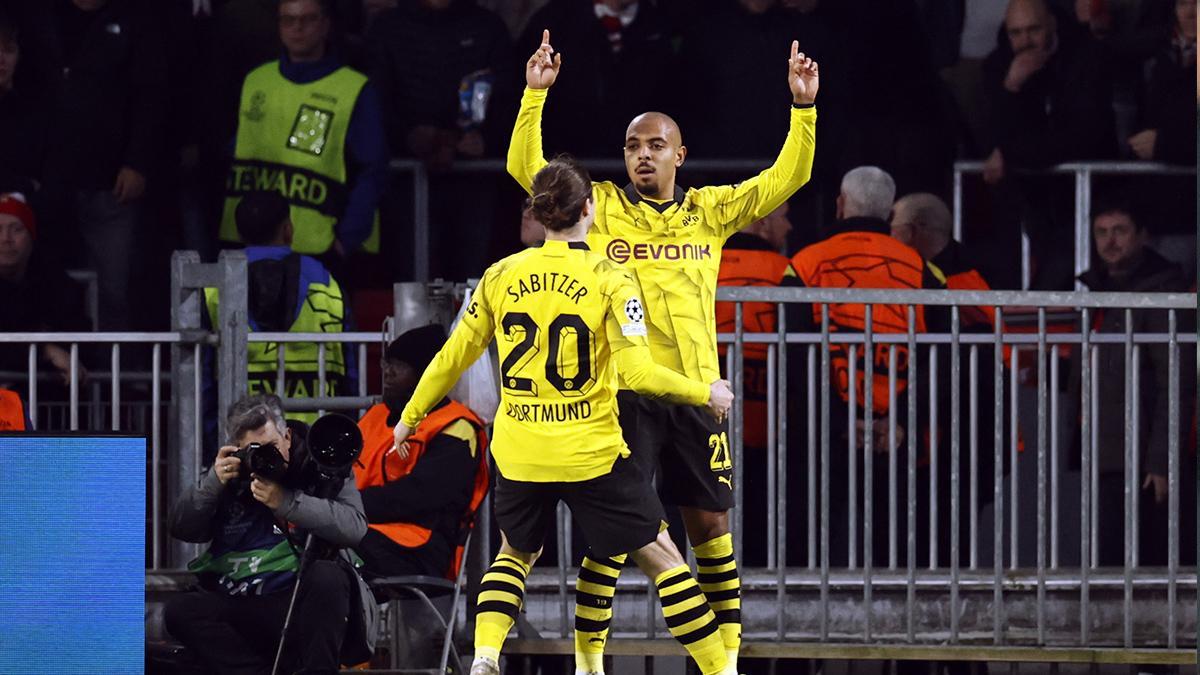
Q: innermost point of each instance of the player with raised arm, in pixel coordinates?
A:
(563, 316)
(671, 239)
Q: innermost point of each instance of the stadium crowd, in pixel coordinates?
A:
(126, 127)
(132, 128)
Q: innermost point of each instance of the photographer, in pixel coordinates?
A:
(234, 623)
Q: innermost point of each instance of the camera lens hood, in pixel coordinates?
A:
(334, 442)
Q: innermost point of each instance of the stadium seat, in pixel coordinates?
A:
(412, 601)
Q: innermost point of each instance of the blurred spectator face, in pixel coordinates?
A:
(756, 6)
(775, 227)
(436, 5)
(399, 383)
(303, 29)
(1029, 26)
(89, 5)
(653, 151)
(9, 53)
(532, 231)
(16, 245)
(1185, 18)
(1118, 238)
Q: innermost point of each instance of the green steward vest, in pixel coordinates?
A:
(322, 312)
(291, 139)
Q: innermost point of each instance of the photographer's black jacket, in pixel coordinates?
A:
(250, 554)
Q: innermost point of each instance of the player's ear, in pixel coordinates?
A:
(680, 155)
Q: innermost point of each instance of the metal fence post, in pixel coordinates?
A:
(186, 304)
(231, 351)
(1083, 226)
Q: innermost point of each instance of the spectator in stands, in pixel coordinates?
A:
(228, 41)
(923, 221)
(752, 257)
(609, 44)
(233, 623)
(715, 90)
(37, 295)
(914, 144)
(1131, 33)
(1051, 102)
(102, 65)
(311, 129)
(288, 292)
(1168, 119)
(240, 36)
(862, 254)
(22, 130)
(431, 58)
(1050, 94)
(1127, 264)
(962, 34)
(12, 412)
(419, 504)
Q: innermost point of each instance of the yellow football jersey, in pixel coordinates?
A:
(566, 320)
(674, 249)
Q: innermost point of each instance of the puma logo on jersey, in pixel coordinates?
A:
(723, 479)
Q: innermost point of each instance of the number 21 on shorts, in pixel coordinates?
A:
(721, 460)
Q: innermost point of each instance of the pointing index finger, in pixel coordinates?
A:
(545, 37)
(795, 48)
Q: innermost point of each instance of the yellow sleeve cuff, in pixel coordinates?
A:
(533, 97)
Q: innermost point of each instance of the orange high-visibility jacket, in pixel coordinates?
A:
(747, 260)
(378, 465)
(12, 411)
(862, 255)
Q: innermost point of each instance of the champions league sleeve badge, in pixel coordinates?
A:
(636, 317)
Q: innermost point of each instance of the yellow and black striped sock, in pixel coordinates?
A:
(594, 591)
(690, 620)
(500, 596)
(717, 571)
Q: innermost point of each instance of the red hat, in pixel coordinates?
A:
(13, 205)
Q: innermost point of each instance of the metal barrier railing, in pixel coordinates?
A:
(891, 588)
(1083, 173)
(171, 385)
(1040, 594)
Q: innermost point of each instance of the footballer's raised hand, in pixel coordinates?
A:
(802, 76)
(542, 68)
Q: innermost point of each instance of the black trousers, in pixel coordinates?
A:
(240, 634)
(383, 557)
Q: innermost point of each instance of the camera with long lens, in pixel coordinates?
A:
(260, 459)
(334, 443)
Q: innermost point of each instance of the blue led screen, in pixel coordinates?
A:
(72, 554)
